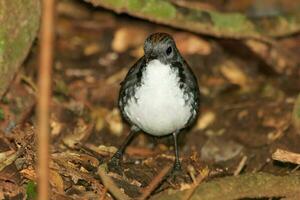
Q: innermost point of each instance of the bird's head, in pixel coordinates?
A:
(161, 46)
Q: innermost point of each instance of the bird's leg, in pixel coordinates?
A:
(119, 154)
(177, 165)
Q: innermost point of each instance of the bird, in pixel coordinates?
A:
(159, 95)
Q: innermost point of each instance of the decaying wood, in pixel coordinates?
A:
(250, 185)
(208, 21)
(203, 21)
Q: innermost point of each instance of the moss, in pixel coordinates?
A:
(249, 185)
(298, 113)
(231, 21)
(297, 108)
(3, 55)
(1, 114)
(24, 36)
(2, 45)
(199, 16)
(159, 9)
(135, 5)
(116, 3)
(19, 23)
(31, 190)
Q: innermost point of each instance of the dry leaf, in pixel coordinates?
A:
(91, 49)
(98, 115)
(29, 173)
(10, 190)
(56, 181)
(55, 178)
(114, 122)
(205, 120)
(81, 132)
(117, 77)
(137, 52)
(192, 44)
(6, 158)
(128, 37)
(234, 74)
(107, 149)
(56, 127)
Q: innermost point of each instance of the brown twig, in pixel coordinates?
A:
(44, 94)
(110, 185)
(286, 156)
(295, 169)
(154, 183)
(203, 174)
(240, 166)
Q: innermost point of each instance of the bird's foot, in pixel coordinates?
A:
(176, 175)
(177, 167)
(114, 163)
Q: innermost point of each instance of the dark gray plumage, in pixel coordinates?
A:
(161, 74)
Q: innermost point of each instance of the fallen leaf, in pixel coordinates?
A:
(114, 122)
(128, 37)
(205, 120)
(80, 133)
(56, 181)
(98, 115)
(6, 158)
(29, 173)
(10, 190)
(192, 44)
(137, 52)
(234, 74)
(91, 49)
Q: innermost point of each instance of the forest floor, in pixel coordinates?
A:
(245, 112)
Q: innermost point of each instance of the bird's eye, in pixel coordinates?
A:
(169, 51)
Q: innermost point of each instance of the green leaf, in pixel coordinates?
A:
(1, 114)
(31, 190)
(296, 114)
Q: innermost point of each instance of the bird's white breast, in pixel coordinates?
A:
(160, 108)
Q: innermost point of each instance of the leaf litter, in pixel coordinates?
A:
(246, 113)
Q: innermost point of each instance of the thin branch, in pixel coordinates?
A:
(240, 166)
(155, 182)
(286, 156)
(44, 94)
(203, 174)
(110, 185)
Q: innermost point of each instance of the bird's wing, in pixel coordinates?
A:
(133, 75)
(191, 79)
(129, 84)
(192, 83)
